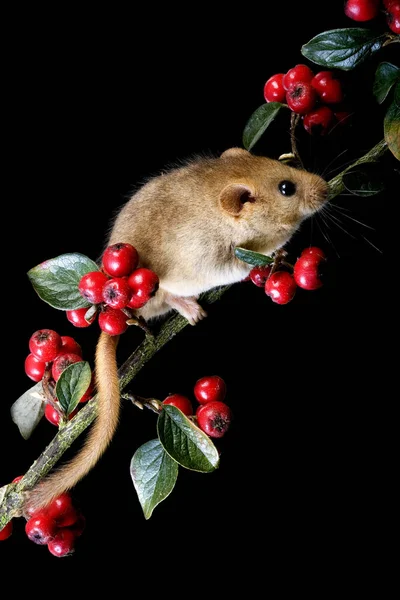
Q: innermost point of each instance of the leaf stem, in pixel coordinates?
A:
(12, 495)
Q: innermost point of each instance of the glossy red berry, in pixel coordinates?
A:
(181, 402)
(210, 389)
(280, 287)
(120, 259)
(60, 506)
(301, 98)
(138, 299)
(41, 528)
(34, 368)
(319, 121)
(91, 286)
(53, 416)
(112, 321)
(361, 10)
(117, 293)
(393, 16)
(307, 270)
(274, 90)
(313, 251)
(6, 531)
(328, 88)
(214, 418)
(144, 280)
(45, 344)
(16, 479)
(77, 317)
(63, 543)
(62, 362)
(299, 73)
(259, 275)
(69, 346)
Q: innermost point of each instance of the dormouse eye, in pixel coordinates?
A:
(287, 188)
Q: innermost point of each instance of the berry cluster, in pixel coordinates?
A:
(54, 352)
(213, 416)
(366, 10)
(57, 526)
(119, 287)
(316, 97)
(281, 285)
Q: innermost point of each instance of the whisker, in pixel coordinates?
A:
(352, 218)
(325, 170)
(327, 238)
(371, 244)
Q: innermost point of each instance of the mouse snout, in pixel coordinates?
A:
(316, 194)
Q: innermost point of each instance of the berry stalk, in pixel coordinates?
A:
(12, 495)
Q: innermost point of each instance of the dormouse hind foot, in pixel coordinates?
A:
(187, 306)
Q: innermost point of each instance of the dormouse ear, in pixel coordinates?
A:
(232, 152)
(234, 196)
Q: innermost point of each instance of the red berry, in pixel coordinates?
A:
(308, 271)
(343, 117)
(63, 543)
(280, 287)
(6, 531)
(62, 362)
(91, 286)
(112, 321)
(60, 506)
(69, 345)
(89, 392)
(274, 90)
(393, 16)
(328, 88)
(78, 527)
(361, 10)
(117, 293)
(41, 528)
(138, 299)
(210, 389)
(120, 259)
(313, 251)
(319, 121)
(77, 317)
(144, 280)
(181, 402)
(301, 98)
(296, 75)
(34, 368)
(16, 479)
(259, 275)
(214, 418)
(45, 344)
(54, 417)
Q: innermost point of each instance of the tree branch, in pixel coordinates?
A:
(12, 495)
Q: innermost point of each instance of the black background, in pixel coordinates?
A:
(98, 102)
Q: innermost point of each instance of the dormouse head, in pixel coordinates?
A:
(268, 196)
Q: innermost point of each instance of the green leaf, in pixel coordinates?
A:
(391, 126)
(258, 123)
(72, 384)
(364, 180)
(185, 442)
(154, 475)
(253, 258)
(56, 280)
(27, 411)
(386, 76)
(343, 48)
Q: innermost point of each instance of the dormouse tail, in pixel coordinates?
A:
(100, 434)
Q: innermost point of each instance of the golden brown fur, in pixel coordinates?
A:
(185, 225)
